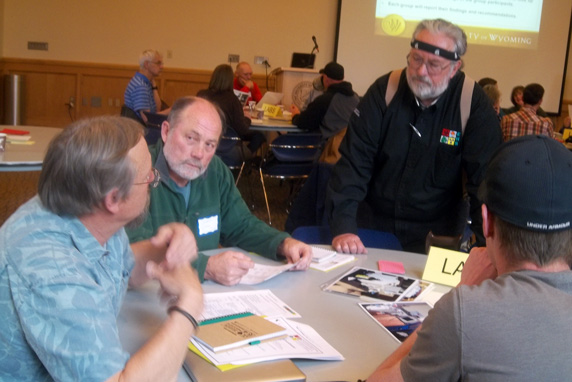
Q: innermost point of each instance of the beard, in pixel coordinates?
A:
(424, 89)
(142, 216)
(182, 168)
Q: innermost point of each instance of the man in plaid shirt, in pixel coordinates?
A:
(526, 121)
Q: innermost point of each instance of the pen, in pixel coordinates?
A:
(290, 310)
(258, 342)
(415, 129)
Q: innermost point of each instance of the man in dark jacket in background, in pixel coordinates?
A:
(331, 111)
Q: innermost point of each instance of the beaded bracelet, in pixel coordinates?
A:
(184, 313)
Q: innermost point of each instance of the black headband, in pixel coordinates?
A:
(453, 56)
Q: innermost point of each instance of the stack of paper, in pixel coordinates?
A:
(16, 135)
(300, 341)
(320, 254)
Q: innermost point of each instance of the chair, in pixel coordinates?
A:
(447, 242)
(290, 157)
(231, 151)
(153, 126)
(369, 237)
(127, 112)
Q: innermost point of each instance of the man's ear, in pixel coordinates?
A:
(112, 201)
(456, 68)
(488, 221)
(165, 127)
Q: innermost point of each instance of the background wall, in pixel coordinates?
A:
(194, 34)
(94, 46)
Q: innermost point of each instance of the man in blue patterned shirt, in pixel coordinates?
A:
(65, 264)
(142, 93)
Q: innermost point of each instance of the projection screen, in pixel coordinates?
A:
(516, 42)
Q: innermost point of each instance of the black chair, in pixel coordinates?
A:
(231, 150)
(153, 126)
(128, 113)
(290, 157)
(369, 237)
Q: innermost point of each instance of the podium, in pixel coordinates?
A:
(295, 84)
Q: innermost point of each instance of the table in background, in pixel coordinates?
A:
(27, 157)
(20, 166)
(336, 317)
(268, 124)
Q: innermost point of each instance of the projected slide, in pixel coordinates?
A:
(507, 23)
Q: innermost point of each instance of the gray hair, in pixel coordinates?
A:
(147, 55)
(86, 161)
(445, 27)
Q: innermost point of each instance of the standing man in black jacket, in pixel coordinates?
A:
(402, 162)
(331, 111)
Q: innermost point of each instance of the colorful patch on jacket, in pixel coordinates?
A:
(450, 137)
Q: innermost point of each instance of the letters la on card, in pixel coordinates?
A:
(444, 266)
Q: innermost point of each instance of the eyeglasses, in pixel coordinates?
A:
(152, 179)
(433, 67)
(158, 63)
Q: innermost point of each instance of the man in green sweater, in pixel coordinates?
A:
(198, 189)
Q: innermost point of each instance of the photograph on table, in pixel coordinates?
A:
(400, 319)
(369, 284)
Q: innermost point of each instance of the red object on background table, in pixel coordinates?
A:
(14, 132)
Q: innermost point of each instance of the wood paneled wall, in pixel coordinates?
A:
(95, 89)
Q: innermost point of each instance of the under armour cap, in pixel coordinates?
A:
(333, 70)
(528, 184)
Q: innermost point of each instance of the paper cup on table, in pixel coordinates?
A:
(3, 141)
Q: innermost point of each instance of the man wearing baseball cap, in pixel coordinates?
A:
(330, 112)
(514, 326)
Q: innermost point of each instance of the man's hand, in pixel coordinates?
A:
(348, 243)
(227, 268)
(294, 110)
(181, 284)
(248, 83)
(179, 243)
(478, 267)
(296, 252)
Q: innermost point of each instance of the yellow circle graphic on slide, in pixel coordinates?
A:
(393, 25)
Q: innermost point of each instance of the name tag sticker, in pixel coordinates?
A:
(208, 225)
(444, 266)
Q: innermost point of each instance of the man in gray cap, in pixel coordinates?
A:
(330, 112)
(514, 326)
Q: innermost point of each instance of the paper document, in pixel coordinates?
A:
(261, 302)
(320, 254)
(400, 319)
(262, 273)
(302, 341)
(333, 262)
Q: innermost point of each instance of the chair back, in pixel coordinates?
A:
(296, 147)
(369, 237)
(153, 124)
(231, 151)
(127, 112)
(448, 242)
